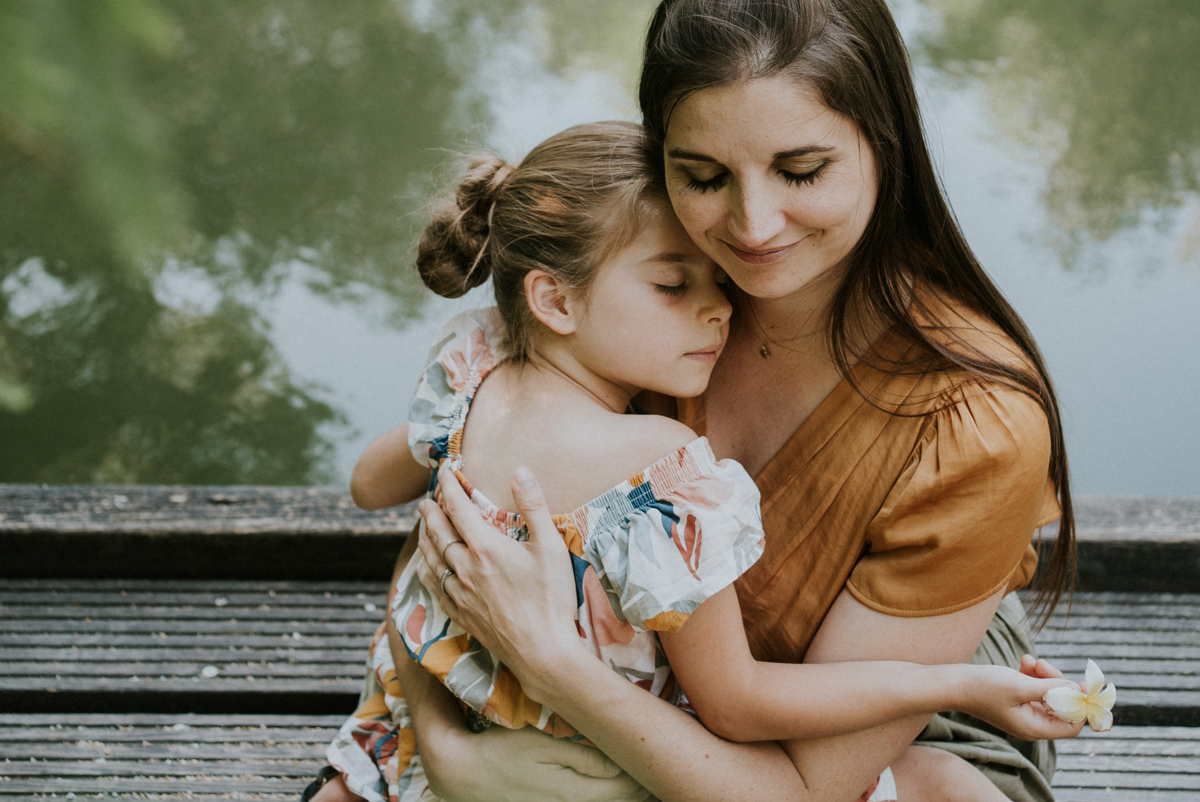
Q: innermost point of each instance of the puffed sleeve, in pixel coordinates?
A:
(688, 529)
(957, 525)
(466, 347)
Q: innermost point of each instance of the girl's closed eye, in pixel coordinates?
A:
(672, 289)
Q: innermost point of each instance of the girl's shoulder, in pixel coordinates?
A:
(465, 350)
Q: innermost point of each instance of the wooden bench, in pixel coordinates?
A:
(271, 757)
(227, 679)
(271, 646)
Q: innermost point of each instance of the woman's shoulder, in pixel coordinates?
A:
(909, 377)
(953, 325)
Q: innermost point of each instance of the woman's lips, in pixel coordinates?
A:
(760, 257)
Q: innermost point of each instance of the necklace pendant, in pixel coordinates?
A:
(764, 351)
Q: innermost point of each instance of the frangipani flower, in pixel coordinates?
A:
(1071, 704)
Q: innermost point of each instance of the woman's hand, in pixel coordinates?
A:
(502, 764)
(527, 765)
(1012, 700)
(499, 764)
(517, 598)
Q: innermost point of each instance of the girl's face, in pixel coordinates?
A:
(656, 316)
(771, 183)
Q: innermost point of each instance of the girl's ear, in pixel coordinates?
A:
(551, 301)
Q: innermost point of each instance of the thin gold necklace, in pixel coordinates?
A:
(764, 349)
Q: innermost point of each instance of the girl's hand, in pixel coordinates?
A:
(1012, 700)
(518, 599)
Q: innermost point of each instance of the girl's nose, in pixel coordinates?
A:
(717, 308)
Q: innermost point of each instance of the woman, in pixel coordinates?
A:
(891, 406)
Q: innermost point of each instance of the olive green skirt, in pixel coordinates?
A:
(1022, 770)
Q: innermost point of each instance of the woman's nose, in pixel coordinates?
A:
(756, 216)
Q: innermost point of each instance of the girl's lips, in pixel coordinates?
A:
(707, 355)
(764, 257)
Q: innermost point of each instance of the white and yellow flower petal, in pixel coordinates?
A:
(1093, 679)
(1071, 704)
(1099, 718)
(1067, 703)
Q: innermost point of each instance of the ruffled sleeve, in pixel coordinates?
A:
(465, 349)
(683, 530)
(956, 526)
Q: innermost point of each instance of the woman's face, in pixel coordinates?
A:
(771, 183)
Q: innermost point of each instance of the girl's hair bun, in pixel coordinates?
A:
(452, 255)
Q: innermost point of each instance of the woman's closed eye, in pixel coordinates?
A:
(707, 184)
(672, 289)
(797, 179)
(794, 178)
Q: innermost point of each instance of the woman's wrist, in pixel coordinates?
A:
(549, 671)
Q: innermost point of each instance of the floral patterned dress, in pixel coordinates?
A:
(645, 554)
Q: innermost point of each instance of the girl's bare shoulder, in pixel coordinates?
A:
(623, 445)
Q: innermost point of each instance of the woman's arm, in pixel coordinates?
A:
(499, 764)
(386, 474)
(518, 600)
(664, 748)
(742, 699)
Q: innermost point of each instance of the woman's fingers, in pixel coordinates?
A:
(531, 503)
(463, 518)
(586, 760)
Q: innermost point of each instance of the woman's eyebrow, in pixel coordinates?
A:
(680, 153)
(807, 150)
(804, 151)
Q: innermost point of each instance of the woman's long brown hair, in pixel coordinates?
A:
(851, 52)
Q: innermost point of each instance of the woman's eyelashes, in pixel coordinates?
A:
(798, 178)
(672, 289)
(792, 177)
(707, 184)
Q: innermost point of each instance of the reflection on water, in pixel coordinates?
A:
(1103, 90)
(205, 270)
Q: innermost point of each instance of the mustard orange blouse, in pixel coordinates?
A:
(919, 513)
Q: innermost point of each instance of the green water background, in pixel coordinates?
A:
(207, 212)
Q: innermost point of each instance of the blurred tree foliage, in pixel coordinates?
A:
(168, 164)
(1106, 88)
(224, 142)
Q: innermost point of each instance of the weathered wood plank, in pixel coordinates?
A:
(1126, 544)
(84, 640)
(238, 756)
(162, 531)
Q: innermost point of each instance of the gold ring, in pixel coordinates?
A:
(447, 548)
(449, 572)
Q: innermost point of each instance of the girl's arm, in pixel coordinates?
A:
(742, 699)
(517, 598)
(386, 474)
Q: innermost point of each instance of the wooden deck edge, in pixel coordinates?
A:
(142, 531)
(185, 701)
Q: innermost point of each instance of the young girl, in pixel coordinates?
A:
(601, 295)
